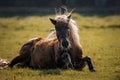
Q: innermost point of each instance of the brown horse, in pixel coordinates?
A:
(60, 49)
(47, 54)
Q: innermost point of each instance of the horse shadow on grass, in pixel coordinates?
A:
(50, 72)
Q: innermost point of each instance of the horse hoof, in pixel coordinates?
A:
(93, 70)
(10, 65)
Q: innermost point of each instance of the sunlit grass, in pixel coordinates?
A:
(99, 38)
(97, 21)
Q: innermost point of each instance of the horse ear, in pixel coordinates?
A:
(53, 21)
(69, 16)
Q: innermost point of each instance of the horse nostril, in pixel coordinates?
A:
(65, 43)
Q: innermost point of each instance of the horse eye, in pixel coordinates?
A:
(68, 32)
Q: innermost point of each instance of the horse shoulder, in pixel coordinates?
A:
(56, 50)
(76, 52)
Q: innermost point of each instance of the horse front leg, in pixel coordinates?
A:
(81, 63)
(88, 60)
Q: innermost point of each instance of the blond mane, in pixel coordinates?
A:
(74, 32)
(51, 35)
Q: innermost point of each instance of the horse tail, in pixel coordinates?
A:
(3, 63)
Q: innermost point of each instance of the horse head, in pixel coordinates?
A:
(61, 23)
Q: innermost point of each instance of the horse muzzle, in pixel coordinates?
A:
(65, 44)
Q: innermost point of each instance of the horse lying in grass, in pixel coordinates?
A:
(60, 49)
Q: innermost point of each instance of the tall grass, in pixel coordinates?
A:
(99, 37)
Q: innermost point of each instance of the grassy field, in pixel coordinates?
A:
(100, 38)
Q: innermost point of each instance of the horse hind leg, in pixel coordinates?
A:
(25, 53)
(16, 60)
(21, 60)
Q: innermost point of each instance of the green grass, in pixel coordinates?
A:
(99, 37)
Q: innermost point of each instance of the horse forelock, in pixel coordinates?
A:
(62, 17)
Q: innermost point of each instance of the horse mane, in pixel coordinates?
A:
(73, 30)
(51, 35)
